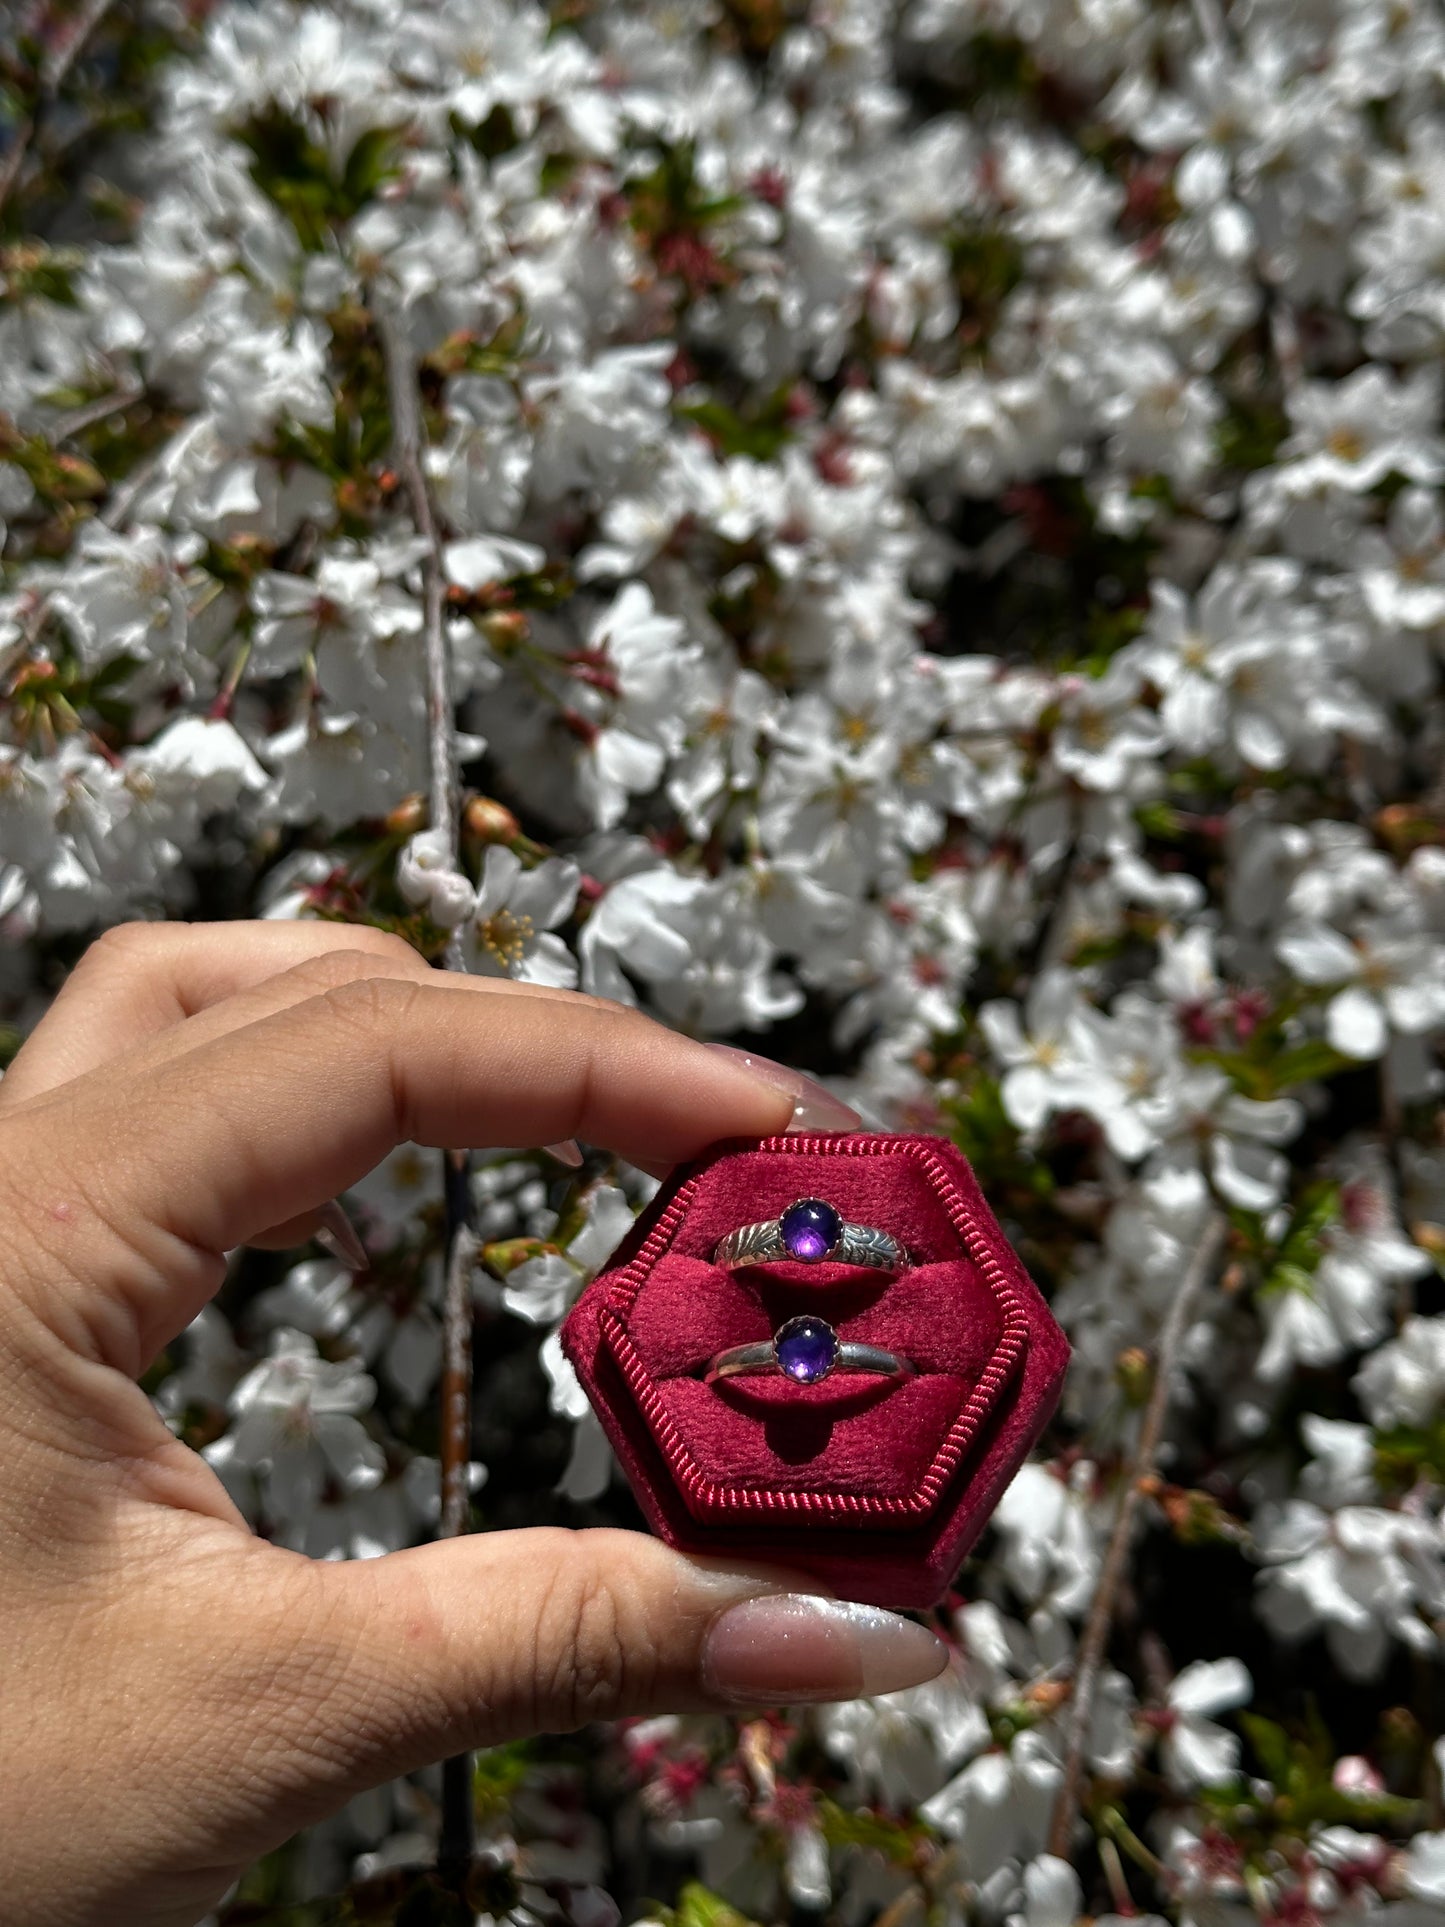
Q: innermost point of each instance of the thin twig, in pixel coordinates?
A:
(407, 454)
(456, 1379)
(118, 508)
(53, 71)
(910, 1902)
(59, 61)
(15, 158)
(1285, 341)
(93, 412)
(1118, 1882)
(1090, 1658)
(454, 1849)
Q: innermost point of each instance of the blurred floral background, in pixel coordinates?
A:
(936, 517)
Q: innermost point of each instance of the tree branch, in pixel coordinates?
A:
(454, 1851)
(1095, 1640)
(407, 454)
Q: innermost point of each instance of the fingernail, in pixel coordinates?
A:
(795, 1646)
(815, 1108)
(337, 1234)
(568, 1152)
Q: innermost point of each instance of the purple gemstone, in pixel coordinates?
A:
(806, 1349)
(810, 1229)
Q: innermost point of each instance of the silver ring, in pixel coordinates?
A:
(806, 1350)
(810, 1231)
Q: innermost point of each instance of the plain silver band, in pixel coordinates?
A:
(740, 1359)
(762, 1244)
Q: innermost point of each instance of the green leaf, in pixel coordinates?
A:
(1271, 1744)
(1406, 1455)
(1299, 1766)
(756, 23)
(299, 176)
(498, 1773)
(856, 1827)
(1317, 1210)
(998, 63)
(1305, 1062)
(371, 163)
(31, 268)
(1160, 822)
(1264, 1070)
(760, 434)
(698, 1906)
(1250, 433)
(548, 588)
(1284, 1278)
(982, 1129)
(986, 266)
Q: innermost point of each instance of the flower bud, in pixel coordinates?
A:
(503, 1255)
(1134, 1374)
(408, 817)
(505, 629)
(490, 821)
(429, 880)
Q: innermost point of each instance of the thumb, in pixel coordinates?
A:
(468, 1642)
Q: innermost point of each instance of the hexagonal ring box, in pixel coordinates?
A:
(876, 1485)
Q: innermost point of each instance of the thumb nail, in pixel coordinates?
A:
(337, 1234)
(790, 1647)
(814, 1108)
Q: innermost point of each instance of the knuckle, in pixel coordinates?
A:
(383, 946)
(124, 944)
(370, 1004)
(333, 968)
(590, 1659)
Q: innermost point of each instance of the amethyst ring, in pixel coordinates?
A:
(810, 1231)
(806, 1350)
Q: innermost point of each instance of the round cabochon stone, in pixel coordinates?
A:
(810, 1229)
(806, 1349)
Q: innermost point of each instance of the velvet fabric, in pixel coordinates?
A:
(876, 1487)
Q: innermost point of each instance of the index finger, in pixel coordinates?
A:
(143, 1182)
(140, 979)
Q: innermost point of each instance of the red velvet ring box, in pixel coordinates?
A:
(876, 1487)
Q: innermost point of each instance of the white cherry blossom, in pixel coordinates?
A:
(1361, 1577)
(1403, 1383)
(1194, 1749)
(511, 928)
(1395, 979)
(298, 1426)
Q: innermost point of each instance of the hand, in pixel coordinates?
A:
(177, 1696)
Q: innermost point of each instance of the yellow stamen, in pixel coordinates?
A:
(506, 935)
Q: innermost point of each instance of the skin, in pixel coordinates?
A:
(177, 1696)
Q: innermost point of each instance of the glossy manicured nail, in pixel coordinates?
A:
(337, 1234)
(568, 1152)
(794, 1646)
(814, 1108)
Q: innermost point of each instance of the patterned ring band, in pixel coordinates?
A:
(806, 1350)
(810, 1231)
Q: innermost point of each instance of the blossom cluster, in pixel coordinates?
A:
(938, 509)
